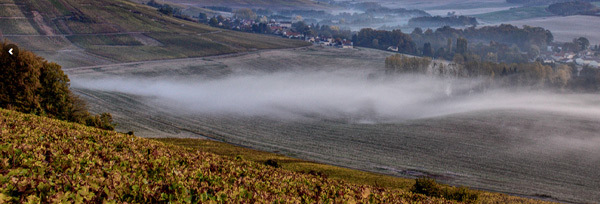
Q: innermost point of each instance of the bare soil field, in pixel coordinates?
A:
(528, 152)
(566, 28)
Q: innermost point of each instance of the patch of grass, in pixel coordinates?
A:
(513, 14)
(120, 39)
(428, 187)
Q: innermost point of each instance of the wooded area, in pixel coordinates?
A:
(534, 74)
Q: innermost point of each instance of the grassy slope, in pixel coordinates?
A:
(89, 24)
(47, 160)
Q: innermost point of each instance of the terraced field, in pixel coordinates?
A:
(110, 31)
(537, 152)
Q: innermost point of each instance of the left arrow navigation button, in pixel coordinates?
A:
(11, 50)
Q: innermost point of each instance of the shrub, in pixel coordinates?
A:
(462, 194)
(103, 121)
(427, 186)
(272, 163)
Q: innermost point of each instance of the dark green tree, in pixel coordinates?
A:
(427, 50)
(245, 13)
(167, 10)
(213, 22)
(427, 186)
(417, 31)
(582, 43)
(202, 17)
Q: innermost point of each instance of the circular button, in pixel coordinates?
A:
(11, 50)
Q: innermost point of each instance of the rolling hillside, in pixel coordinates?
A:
(91, 32)
(45, 160)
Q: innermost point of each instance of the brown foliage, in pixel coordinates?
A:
(31, 84)
(403, 64)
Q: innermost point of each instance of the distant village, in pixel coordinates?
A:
(556, 53)
(281, 28)
(248, 21)
(294, 28)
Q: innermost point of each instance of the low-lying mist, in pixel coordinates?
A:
(326, 116)
(353, 96)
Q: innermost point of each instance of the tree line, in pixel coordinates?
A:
(31, 84)
(511, 36)
(541, 2)
(530, 74)
(503, 43)
(169, 10)
(573, 8)
(381, 39)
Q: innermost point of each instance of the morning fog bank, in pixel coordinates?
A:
(354, 96)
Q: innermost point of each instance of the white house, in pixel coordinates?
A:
(589, 62)
(285, 24)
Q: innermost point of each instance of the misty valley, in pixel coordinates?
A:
(299, 101)
(411, 125)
